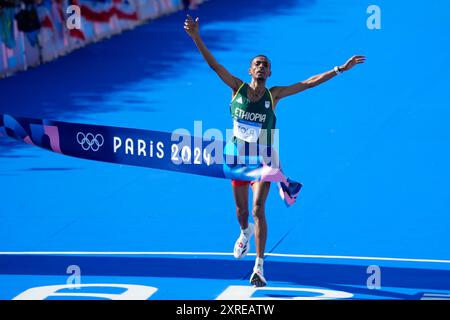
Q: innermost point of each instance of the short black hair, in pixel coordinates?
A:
(261, 55)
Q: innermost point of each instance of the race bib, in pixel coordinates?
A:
(246, 130)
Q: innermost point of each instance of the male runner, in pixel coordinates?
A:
(247, 98)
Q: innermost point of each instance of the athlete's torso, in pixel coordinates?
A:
(253, 122)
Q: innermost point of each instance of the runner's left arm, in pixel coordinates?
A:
(285, 91)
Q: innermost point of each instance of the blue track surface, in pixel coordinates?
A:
(371, 147)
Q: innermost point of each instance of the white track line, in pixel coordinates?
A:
(145, 253)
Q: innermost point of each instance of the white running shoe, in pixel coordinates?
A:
(242, 245)
(257, 278)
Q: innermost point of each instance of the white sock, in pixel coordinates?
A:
(259, 264)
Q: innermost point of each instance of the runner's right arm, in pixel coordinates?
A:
(191, 28)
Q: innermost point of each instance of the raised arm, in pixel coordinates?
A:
(191, 28)
(284, 91)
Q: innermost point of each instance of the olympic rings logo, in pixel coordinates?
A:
(89, 141)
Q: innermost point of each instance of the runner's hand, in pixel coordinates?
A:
(353, 61)
(191, 26)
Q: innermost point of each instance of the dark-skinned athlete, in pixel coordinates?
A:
(248, 98)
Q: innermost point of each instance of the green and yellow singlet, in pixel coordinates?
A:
(253, 122)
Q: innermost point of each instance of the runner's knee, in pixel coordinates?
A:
(242, 212)
(258, 211)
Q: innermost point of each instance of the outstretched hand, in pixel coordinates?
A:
(353, 61)
(191, 26)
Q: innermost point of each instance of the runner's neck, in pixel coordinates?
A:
(257, 86)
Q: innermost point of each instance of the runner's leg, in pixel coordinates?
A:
(260, 193)
(240, 193)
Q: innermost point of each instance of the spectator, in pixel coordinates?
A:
(189, 4)
(7, 26)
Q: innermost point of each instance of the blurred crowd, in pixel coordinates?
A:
(17, 3)
(33, 32)
(23, 11)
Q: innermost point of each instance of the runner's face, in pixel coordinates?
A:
(260, 68)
